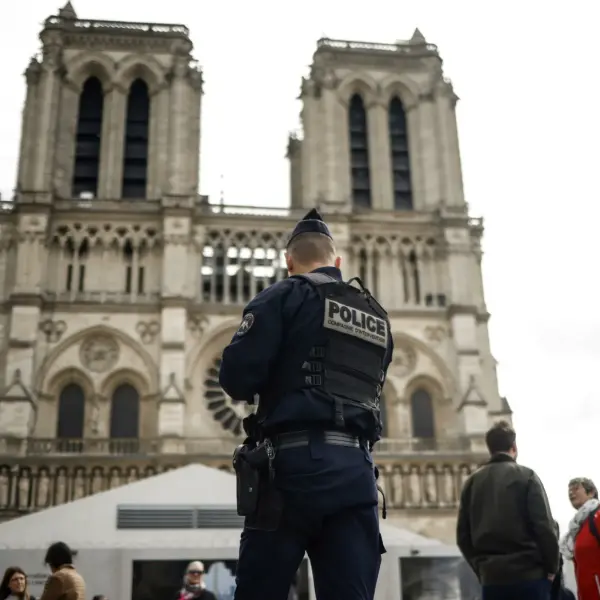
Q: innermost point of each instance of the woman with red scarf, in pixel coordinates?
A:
(581, 544)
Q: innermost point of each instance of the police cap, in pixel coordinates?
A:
(311, 223)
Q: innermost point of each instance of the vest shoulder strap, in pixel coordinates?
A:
(318, 279)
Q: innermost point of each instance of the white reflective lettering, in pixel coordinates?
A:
(357, 323)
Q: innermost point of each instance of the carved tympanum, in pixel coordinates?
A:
(99, 353)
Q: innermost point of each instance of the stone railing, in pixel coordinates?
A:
(200, 447)
(39, 473)
(34, 483)
(385, 450)
(400, 46)
(95, 297)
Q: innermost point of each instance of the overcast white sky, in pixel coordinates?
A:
(527, 74)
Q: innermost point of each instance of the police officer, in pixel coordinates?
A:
(316, 352)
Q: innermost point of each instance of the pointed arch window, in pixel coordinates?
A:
(71, 418)
(359, 152)
(401, 177)
(87, 140)
(135, 152)
(422, 418)
(125, 413)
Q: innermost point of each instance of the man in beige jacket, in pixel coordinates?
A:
(65, 583)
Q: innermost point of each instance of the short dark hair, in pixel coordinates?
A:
(58, 554)
(500, 438)
(312, 248)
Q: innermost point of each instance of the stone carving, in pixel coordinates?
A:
(52, 55)
(325, 77)
(225, 411)
(197, 325)
(95, 419)
(99, 354)
(404, 360)
(32, 74)
(181, 66)
(196, 79)
(53, 330)
(435, 334)
(148, 330)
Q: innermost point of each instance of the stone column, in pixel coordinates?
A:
(380, 159)
(177, 229)
(331, 144)
(28, 126)
(17, 413)
(430, 161)
(449, 147)
(415, 155)
(343, 188)
(47, 109)
(171, 417)
(312, 147)
(113, 141)
(179, 128)
(473, 413)
(158, 159)
(26, 301)
(66, 141)
(194, 143)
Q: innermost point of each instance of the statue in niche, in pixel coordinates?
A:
(43, 488)
(24, 490)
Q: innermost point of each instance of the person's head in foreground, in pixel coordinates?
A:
(502, 439)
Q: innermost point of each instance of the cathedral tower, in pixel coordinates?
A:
(120, 285)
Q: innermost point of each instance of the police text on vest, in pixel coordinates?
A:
(352, 321)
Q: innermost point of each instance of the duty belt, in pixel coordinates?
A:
(297, 439)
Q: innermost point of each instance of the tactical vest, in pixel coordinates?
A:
(346, 360)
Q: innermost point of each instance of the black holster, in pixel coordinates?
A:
(258, 499)
(247, 478)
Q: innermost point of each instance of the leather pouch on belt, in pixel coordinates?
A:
(247, 484)
(269, 510)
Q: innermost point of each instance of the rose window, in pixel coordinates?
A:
(225, 411)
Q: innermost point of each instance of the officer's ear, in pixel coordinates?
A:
(338, 262)
(289, 263)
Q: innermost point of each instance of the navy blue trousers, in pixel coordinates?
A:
(538, 589)
(330, 512)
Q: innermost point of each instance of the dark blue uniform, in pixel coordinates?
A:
(329, 490)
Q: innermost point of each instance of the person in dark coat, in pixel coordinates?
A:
(505, 528)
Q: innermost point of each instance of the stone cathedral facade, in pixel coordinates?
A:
(120, 284)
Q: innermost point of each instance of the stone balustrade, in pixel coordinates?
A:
(40, 473)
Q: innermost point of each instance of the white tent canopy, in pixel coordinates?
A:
(89, 525)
